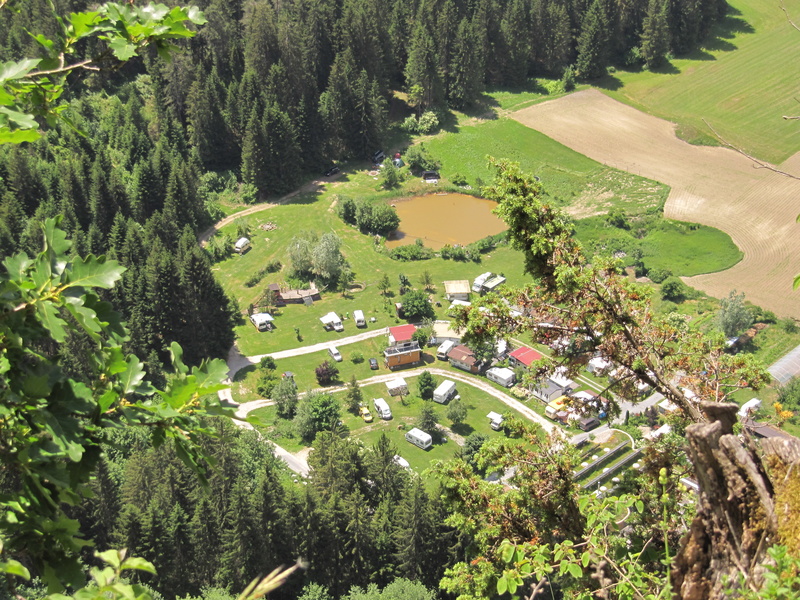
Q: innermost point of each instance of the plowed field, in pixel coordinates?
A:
(710, 185)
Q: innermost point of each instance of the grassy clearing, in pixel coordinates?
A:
(569, 178)
(685, 249)
(404, 414)
(738, 82)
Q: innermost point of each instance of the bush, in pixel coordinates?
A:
(419, 159)
(673, 289)
(568, 79)
(416, 306)
(357, 358)
(346, 209)
(326, 373)
(658, 275)
(789, 325)
(458, 179)
(411, 252)
(428, 122)
(449, 252)
(267, 362)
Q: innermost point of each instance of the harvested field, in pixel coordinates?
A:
(710, 185)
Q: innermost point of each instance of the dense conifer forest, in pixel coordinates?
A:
(265, 94)
(271, 91)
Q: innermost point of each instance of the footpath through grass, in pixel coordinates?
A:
(742, 81)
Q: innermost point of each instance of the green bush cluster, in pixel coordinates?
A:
(370, 217)
(411, 252)
(272, 266)
(427, 123)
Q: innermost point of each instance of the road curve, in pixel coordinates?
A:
(237, 361)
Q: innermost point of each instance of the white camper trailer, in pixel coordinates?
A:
(382, 408)
(502, 375)
(242, 245)
(419, 438)
(358, 317)
(444, 349)
(445, 391)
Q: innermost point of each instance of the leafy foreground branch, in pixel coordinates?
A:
(539, 534)
(31, 89)
(52, 426)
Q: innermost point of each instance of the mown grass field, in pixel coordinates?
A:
(682, 248)
(404, 414)
(742, 82)
(567, 177)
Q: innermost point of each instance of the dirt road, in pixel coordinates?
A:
(710, 185)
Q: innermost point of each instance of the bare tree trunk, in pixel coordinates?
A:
(743, 506)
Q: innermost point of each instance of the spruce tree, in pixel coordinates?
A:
(593, 43)
(655, 34)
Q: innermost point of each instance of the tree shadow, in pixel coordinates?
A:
(463, 429)
(485, 107)
(608, 82)
(242, 374)
(666, 68)
(448, 122)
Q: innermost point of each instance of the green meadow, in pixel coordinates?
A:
(404, 415)
(741, 82)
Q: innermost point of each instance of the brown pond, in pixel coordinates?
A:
(440, 219)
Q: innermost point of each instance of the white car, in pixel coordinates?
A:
(335, 354)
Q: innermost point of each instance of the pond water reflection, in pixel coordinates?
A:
(440, 219)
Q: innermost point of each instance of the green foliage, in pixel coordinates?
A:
(426, 383)
(390, 175)
(416, 305)
(285, 396)
(617, 218)
(370, 217)
(419, 159)
(411, 252)
(733, 317)
(568, 79)
(316, 411)
(354, 395)
(674, 289)
(428, 419)
(658, 275)
(357, 358)
(54, 425)
(31, 88)
(456, 412)
(781, 578)
(427, 123)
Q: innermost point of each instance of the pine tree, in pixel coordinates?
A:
(655, 34)
(464, 78)
(354, 395)
(414, 532)
(593, 43)
(422, 74)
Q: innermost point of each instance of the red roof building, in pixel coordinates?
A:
(524, 356)
(401, 334)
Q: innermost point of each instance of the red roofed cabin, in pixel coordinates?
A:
(402, 349)
(524, 357)
(401, 334)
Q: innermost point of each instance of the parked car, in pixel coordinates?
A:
(365, 414)
(335, 354)
(331, 172)
(378, 157)
(589, 423)
(373, 364)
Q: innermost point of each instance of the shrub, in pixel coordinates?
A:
(419, 159)
(789, 325)
(568, 79)
(428, 122)
(673, 289)
(267, 362)
(658, 275)
(357, 358)
(346, 209)
(458, 179)
(326, 373)
(411, 252)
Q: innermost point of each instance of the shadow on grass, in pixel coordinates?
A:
(608, 82)
(666, 68)
(463, 429)
(242, 374)
(485, 107)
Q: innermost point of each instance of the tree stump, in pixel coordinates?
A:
(749, 499)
